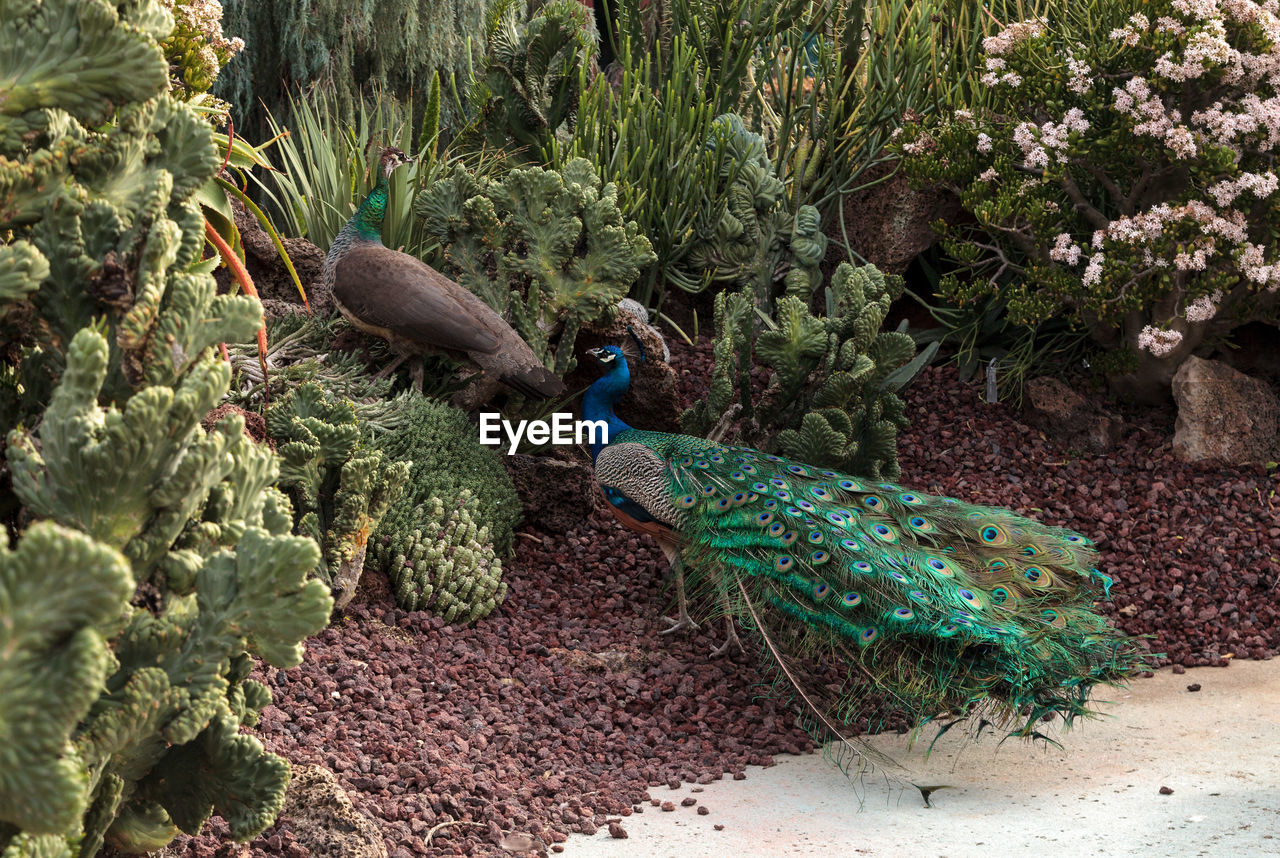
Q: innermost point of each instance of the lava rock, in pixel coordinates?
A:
(1223, 415)
(325, 820)
(1051, 406)
(556, 493)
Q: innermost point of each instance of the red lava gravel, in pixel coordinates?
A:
(565, 709)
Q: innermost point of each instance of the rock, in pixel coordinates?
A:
(557, 494)
(269, 272)
(1223, 415)
(254, 424)
(889, 223)
(324, 819)
(1051, 406)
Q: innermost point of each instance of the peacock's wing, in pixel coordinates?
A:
(946, 606)
(393, 293)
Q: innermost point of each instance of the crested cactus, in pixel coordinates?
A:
(755, 241)
(121, 709)
(532, 70)
(549, 250)
(831, 397)
(448, 462)
(194, 514)
(448, 565)
(340, 489)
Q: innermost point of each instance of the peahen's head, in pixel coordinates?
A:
(391, 159)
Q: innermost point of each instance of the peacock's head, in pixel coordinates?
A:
(610, 357)
(391, 159)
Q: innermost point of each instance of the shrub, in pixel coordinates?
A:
(415, 546)
(831, 398)
(1121, 174)
(547, 249)
(121, 707)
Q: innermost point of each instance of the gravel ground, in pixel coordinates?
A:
(562, 710)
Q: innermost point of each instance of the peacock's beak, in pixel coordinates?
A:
(597, 353)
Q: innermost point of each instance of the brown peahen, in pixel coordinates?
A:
(417, 309)
(944, 608)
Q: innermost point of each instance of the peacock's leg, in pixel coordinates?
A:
(731, 641)
(683, 620)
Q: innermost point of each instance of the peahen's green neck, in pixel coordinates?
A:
(366, 222)
(364, 227)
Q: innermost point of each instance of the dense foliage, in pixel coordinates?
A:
(121, 707)
(1121, 173)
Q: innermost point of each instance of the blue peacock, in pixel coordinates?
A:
(944, 607)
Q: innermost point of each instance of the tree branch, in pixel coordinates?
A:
(1086, 208)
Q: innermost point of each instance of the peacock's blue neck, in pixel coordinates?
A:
(366, 223)
(598, 402)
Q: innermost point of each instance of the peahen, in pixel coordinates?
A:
(943, 607)
(417, 309)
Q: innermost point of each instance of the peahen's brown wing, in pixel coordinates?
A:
(389, 291)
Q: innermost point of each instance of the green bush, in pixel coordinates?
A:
(448, 461)
(448, 566)
(528, 90)
(361, 49)
(547, 249)
(339, 488)
(1119, 174)
(757, 242)
(831, 399)
(120, 708)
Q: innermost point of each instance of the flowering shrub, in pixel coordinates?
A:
(1122, 174)
(196, 48)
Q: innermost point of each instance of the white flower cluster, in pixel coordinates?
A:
(1158, 341)
(205, 17)
(1005, 41)
(1203, 308)
(1131, 32)
(1080, 80)
(996, 74)
(1064, 249)
(1038, 141)
(1151, 119)
(1259, 185)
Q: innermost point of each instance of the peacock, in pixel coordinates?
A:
(417, 309)
(943, 607)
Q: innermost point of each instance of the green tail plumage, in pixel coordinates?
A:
(948, 608)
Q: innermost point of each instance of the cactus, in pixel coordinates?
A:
(339, 488)
(547, 249)
(532, 71)
(831, 397)
(448, 565)
(755, 242)
(121, 709)
(448, 462)
(194, 515)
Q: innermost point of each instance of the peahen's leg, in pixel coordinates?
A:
(416, 371)
(393, 366)
(683, 620)
(731, 641)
